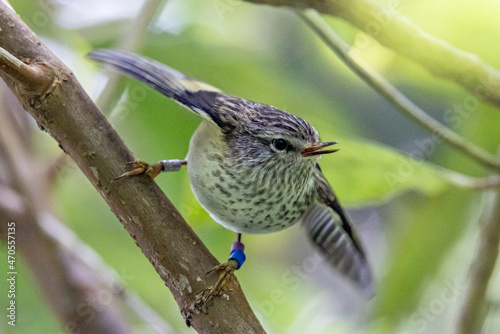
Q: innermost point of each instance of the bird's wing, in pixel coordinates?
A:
(196, 95)
(330, 230)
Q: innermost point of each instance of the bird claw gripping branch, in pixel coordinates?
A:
(236, 259)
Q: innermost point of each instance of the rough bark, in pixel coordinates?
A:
(64, 110)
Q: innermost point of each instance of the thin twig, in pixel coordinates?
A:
(392, 94)
(473, 311)
(132, 39)
(396, 32)
(465, 181)
(30, 76)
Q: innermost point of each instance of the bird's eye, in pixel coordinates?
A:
(280, 144)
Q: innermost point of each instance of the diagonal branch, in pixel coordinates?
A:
(23, 207)
(131, 40)
(65, 111)
(393, 95)
(397, 33)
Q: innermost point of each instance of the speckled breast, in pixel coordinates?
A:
(240, 200)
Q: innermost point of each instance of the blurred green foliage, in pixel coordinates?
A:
(386, 163)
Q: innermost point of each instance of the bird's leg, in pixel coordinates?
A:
(236, 259)
(141, 167)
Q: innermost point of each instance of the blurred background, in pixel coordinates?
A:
(419, 230)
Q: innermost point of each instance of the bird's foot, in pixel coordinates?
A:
(226, 273)
(236, 259)
(141, 167)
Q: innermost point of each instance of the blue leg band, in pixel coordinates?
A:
(239, 256)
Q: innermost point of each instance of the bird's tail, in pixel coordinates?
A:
(174, 84)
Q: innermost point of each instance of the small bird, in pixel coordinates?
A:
(253, 168)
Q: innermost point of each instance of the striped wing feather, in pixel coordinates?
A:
(330, 231)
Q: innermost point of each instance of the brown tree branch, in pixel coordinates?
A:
(397, 33)
(70, 290)
(92, 289)
(65, 111)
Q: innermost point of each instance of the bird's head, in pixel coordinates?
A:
(271, 137)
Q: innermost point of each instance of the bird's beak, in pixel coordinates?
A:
(315, 149)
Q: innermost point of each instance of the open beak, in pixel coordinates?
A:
(315, 149)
